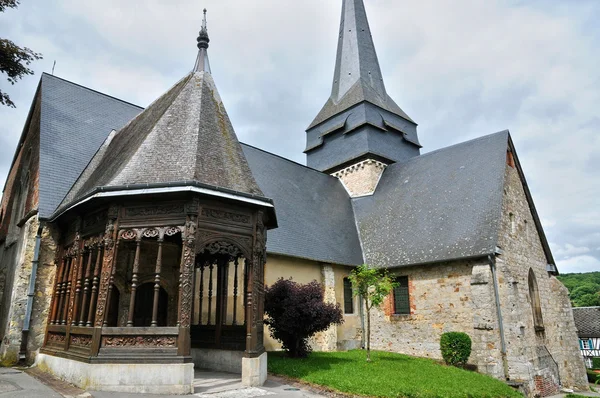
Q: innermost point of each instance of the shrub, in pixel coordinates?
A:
(456, 348)
(596, 363)
(295, 312)
(592, 376)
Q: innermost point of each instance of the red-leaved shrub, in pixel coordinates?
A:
(295, 312)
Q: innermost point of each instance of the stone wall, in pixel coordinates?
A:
(16, 302)
(361, 179)
(533, 356)
(447, 297)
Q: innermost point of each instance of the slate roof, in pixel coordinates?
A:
(435, 207)
(587, 321)
(357, 75)
(75, 120)
(440, 206)
(314, 211)
(184, 136)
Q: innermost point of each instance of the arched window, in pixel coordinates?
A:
(536, 306)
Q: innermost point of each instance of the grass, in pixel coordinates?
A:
(388, 375)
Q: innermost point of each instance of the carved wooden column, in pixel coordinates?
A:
(57, 287)
(93, 247)
(157, 272)
(71, 284)
(78, 286)
(109, 259)
(255, 292)
(186, 277)
(95, 283)
(134, 279)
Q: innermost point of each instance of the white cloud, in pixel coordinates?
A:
(579, 264)
(568, 250)
(461, 69)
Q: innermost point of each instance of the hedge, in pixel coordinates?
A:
(456, 348)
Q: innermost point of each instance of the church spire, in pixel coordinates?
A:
(359, 120)
(202, 64)
(356, 56)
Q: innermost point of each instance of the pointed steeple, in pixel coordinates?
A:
(358, 98)
(356, 57)
(202, 64)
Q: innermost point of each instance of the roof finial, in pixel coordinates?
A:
(203, 39)
(202, 64)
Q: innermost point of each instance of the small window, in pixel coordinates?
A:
(536, 306)
(513, 223)
(348, 299)
(401, 296)
(585, 345)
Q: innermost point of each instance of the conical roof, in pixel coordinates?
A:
(185, 137)
(357, 76)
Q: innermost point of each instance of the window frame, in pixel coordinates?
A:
(348, 301)
(402, 288)
(585, 344)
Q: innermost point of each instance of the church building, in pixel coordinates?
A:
(135, 244)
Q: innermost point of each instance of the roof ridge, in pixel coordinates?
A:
(92, 90)
(286, 159)
(458, 144)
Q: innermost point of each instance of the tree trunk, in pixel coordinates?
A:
(368, 334)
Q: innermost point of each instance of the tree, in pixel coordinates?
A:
(14, 60)
(372, 286)
(295, 312)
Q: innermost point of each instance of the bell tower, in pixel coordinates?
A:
(360, 129)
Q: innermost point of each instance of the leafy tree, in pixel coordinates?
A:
(584, 289)
(14, 60)
(295, 312)
(372, 286)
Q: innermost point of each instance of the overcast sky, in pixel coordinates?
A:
(460, 68)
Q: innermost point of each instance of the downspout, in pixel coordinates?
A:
(492, 261)
(30, 293)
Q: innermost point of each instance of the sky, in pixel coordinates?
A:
(460, 68)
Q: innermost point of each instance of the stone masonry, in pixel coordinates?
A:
(533, 356)
(459, 296)
(361, 179)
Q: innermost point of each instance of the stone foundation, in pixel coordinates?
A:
(221, 360)
(254, 371)
(125, 378)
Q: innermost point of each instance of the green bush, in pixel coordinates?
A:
(596, 363)
(592, 376)
(456, 348)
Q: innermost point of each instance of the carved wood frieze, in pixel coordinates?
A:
(81, 341)
(225, 216)
(150, 233)
(55, 338)
(153, 211)
(96, 220)
(140, 341)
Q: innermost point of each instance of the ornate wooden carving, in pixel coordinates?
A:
(140, 341)
(57, 288)
(55, 338)
(225, 216)
(95, 283)
(107, 265)
(186, 272)
(153, 211)
(81, 341)
(256, 293)
(71, 284)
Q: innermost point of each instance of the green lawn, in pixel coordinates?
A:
(388, 375)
